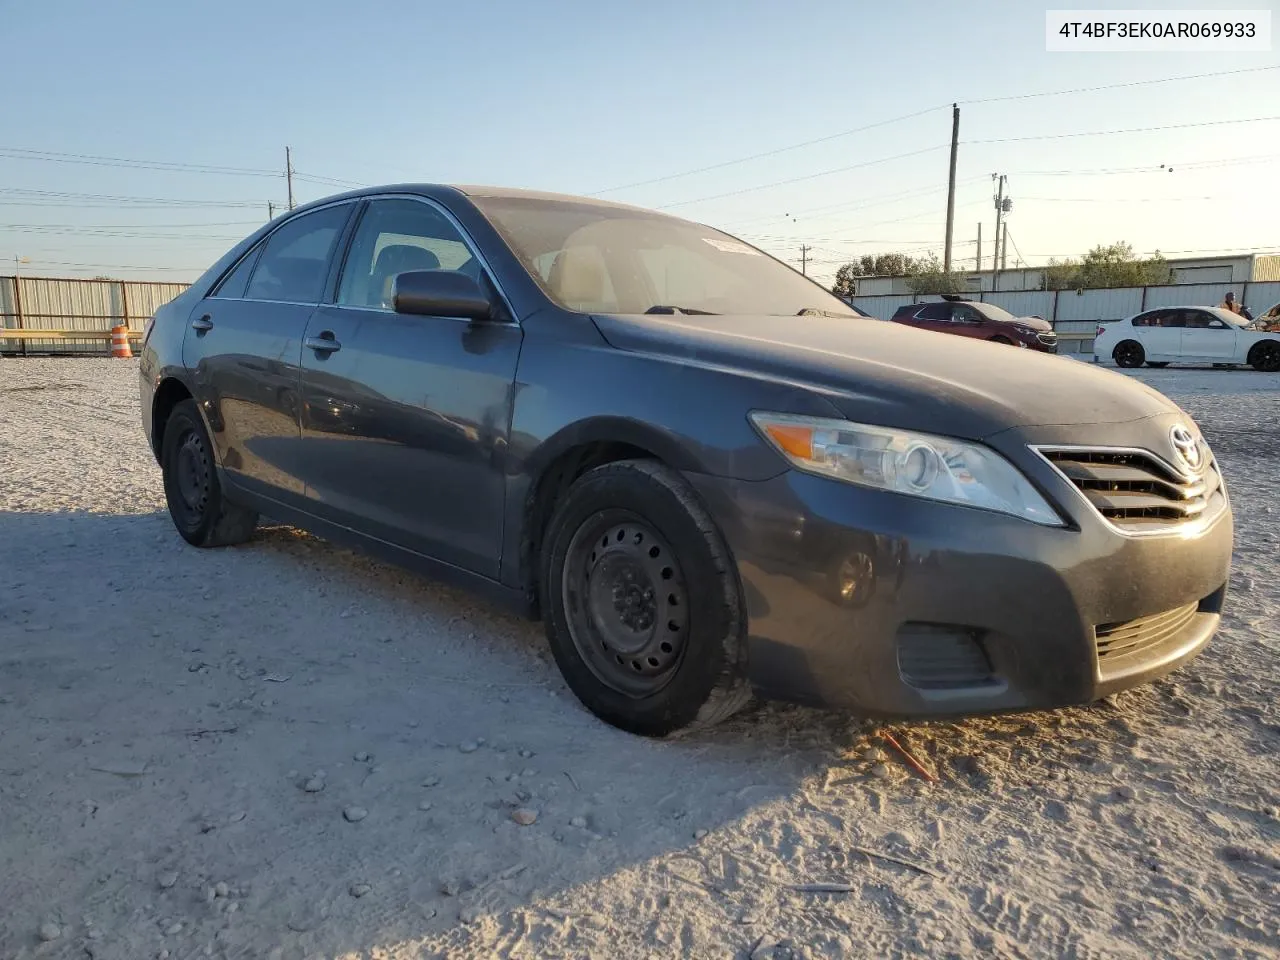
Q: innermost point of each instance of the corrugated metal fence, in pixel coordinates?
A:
(1072, 311)
(47, 303)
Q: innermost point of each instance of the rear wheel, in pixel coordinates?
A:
(1265, 356)
(642, 604)
(203, 516)
(1129, 354)
(1158, 364)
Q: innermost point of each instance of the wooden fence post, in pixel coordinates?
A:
(17, 306)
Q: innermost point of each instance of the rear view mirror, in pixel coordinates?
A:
(440, 293)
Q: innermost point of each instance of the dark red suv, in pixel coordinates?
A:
(983, 321)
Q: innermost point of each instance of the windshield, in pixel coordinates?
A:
(597, 258)
(992, 312)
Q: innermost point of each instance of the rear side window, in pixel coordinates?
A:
(234, 283)
(935, 311)
(296, 259)
(1150, 319)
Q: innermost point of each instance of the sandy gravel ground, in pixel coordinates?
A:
(285, 750)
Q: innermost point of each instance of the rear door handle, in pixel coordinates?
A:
(203, 325)
(325, 343)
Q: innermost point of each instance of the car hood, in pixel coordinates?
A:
(890, 374)
(1035, 323)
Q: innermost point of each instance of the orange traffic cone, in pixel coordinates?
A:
(120, 341)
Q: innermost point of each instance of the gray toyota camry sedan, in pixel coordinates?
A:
(705, 473)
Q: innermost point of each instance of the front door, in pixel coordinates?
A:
(243, 348)
(405, 418)
(1206, 337)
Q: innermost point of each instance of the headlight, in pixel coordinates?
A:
(917, 464)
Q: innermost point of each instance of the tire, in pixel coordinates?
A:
(1265, 356)
(1158, 364)
(625, 534)
(199, 510)
(1129, 354)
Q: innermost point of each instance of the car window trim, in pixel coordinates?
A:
(468, 241)
(261, 245)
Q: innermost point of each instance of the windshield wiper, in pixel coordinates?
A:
(690, 311)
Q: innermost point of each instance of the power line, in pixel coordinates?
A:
(918, 113)
(1117, 86)
(809, 176)
(1192, 165)
(1108, 133)
(21, 153)
(767, 153)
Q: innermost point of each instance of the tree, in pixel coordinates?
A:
(880, 265)
(928, 276)
(1113, 265)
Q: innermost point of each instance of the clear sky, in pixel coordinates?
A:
(582, 97)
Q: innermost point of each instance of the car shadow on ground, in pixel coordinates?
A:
(352, 750)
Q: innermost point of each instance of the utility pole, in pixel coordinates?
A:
(1004, 248)
(804, 259)
(271, 211)
(979, 267)
(1000, 202)
(951, 185)
(288, 173)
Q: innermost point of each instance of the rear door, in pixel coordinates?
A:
(244, 346)
(405, 418)
(1160, 332)
(1206, 337)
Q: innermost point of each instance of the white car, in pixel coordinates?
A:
(1186, 335)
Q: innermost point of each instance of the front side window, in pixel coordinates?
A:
(295, 262)
(399, 236)
(600, 258)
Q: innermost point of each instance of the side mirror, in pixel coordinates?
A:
(440, 293)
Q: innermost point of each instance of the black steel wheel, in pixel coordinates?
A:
(1265, 356)
(642, 603)
(1129, 354)
(199, 510)
(627, 601)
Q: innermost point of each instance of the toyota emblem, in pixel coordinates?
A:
(1186, 448)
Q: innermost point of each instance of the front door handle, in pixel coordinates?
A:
(203, 325)
(325, 343)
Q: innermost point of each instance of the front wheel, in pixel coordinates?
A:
(1129, 354)
(642, 604)
(200, 511)
(1265, 356)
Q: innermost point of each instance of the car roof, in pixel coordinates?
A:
(1216, 311)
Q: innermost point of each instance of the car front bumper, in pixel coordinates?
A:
(897, 606)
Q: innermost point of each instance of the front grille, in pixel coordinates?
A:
(1137, 492)
(1119, 643)
(1048, 339)
(941, 657)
